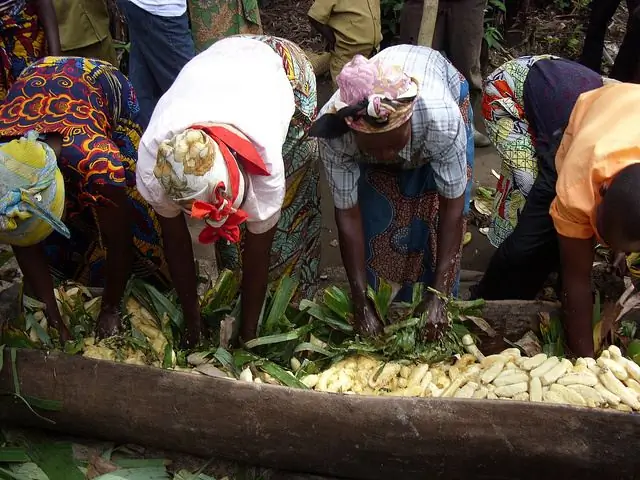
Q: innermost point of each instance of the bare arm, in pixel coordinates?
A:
(255, 277)
(449, 240)
(179, 253)
(47, 16)
(33, 263)
(351, 237)
(577, 260)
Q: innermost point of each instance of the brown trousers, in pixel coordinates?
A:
(459, 34)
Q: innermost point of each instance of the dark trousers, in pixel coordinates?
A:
(160, 47)
(523, 262)
(627, 63)
(459, 34)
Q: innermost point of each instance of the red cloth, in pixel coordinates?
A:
(222, 205)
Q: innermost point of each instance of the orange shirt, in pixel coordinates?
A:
(602, 138)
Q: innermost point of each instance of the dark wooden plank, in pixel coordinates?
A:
(325, 434)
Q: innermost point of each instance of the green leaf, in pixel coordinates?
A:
(242, 357)
(310, 347)
(13, 455)
(383, 297)
(226, 360)
(167, 359)
(338, 302)
(44, 404)
(55, 459)
(148, 473)
(23, 471)
(281, 375)
(325, 315)
(272, 339)
(276, 321)
(394, 327)
(32, 304)
(31, 322)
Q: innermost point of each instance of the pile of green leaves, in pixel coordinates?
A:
(317, 333)
(30, 456)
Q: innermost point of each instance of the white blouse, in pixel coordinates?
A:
(239, 82)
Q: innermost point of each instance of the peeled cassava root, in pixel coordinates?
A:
(611, 381)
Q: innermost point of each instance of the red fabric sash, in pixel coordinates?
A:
(222, 205)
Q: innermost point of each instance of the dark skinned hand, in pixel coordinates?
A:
(63, 331)
(619, 264)
(437, 321)
(367, 322)
(108, 323)
(330, 37)
(191, 337)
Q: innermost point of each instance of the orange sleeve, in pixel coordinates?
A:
(570, 222)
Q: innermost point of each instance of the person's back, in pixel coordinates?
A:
(233, 77)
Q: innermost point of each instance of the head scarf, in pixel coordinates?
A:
(31, 192)
(198, 169)
(373, 97)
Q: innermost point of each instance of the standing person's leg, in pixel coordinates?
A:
(601, 13)
(626, 67)
(140, 73)
(465, 35)
(410, 18)
(168, 46)
(160, 47)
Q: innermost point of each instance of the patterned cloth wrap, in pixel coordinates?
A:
(31, 192)
(385, 93)
(296, 244)
(94, 108)
(198, 170)
(22, 41)
(510, 132)
(213, 20)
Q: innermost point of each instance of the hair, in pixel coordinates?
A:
(621, 205)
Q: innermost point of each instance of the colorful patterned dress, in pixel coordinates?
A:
(94, 107)
(296, 245)
(510, 132)
(212, 20)
(22, 41)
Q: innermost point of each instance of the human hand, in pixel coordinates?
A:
(367, 322)
(437, 320)
(191, 337)
(330, 37)
(618, 264)
(108, 323)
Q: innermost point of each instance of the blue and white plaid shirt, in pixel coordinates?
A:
(438, 132)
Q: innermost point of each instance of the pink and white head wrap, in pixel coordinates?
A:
(387, 92)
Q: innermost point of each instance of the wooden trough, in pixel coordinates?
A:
(327, 434)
